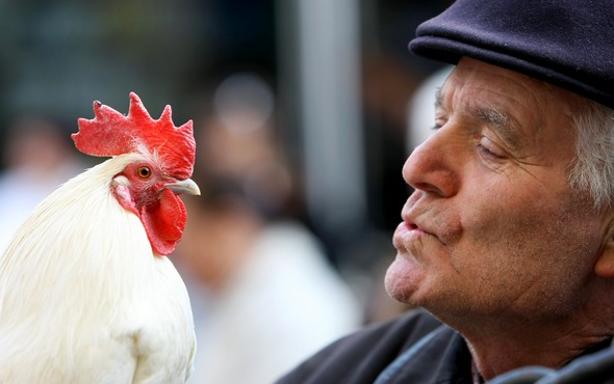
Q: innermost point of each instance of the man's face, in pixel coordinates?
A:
(493, 227)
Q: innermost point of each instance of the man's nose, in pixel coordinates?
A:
(431, 166)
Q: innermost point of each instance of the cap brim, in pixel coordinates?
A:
(450, 51)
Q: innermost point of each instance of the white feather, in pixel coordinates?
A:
(84, 300)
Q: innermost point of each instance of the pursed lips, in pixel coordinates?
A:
(410, 231)
(420, 220)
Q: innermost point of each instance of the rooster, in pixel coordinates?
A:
(87, 294)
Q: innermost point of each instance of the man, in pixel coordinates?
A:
(508, 239)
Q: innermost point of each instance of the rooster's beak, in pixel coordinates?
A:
(185, 186)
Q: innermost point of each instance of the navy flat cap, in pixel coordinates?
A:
(569, 43)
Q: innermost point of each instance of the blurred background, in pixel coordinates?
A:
(304, 112)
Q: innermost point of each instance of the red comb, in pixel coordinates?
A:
(110, 133)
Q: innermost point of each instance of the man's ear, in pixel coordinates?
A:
(605, 264)
(604, 267)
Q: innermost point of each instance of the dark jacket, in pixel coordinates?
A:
(416, 348)
(427, 352)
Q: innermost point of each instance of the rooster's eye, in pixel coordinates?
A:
(143, 172)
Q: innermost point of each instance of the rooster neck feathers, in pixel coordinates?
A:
(110, 237)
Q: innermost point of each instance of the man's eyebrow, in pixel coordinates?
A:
(504, 125)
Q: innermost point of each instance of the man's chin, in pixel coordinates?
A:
(403, 279)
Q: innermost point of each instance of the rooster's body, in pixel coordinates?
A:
(84, 295)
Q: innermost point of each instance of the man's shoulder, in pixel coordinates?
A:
(362, 356)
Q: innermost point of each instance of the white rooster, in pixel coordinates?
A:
(87, 294)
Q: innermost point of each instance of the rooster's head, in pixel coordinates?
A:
(149, 186)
